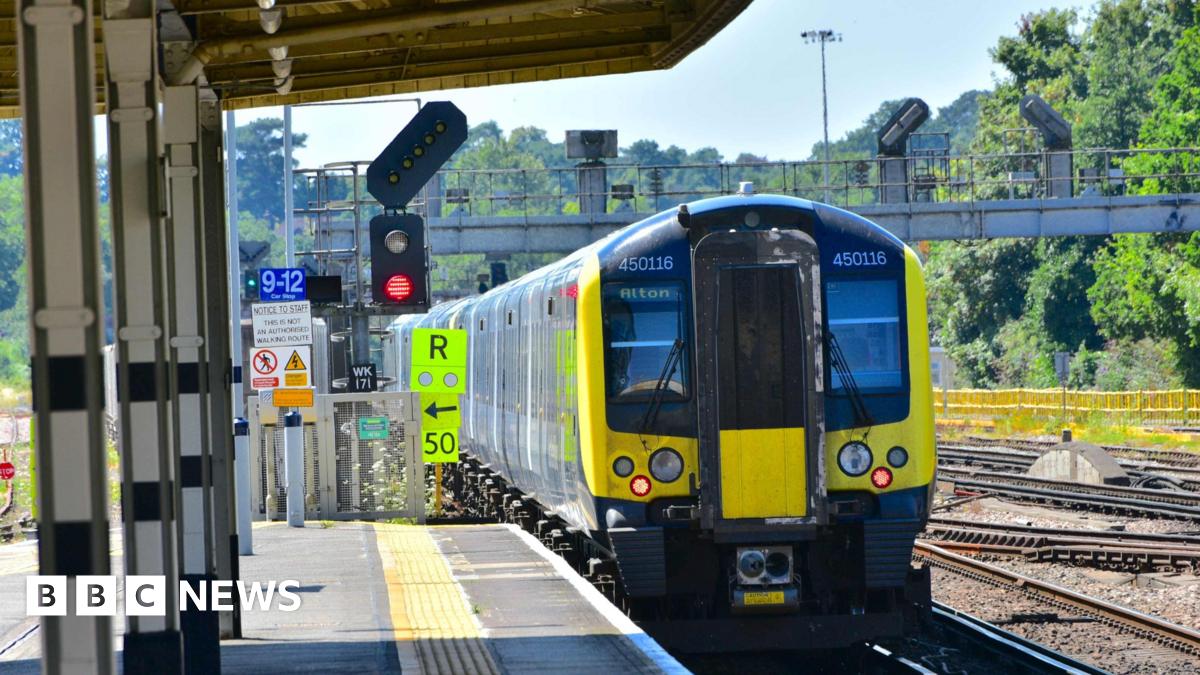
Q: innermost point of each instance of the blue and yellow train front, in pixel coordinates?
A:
(755, 423)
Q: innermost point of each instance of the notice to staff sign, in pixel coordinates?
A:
(282, 324)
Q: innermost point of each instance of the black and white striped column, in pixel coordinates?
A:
(216, 342)
(242, 478)
(189, 387)
(152, 643)
(55, 46)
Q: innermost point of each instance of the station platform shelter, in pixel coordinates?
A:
(384, 598)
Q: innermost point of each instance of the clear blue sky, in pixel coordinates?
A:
(755, 87)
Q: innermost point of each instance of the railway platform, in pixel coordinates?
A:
(383, 598)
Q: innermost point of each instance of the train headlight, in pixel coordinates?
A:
(881, 477)
(666, 465)
(751, 564)
(779, 565)
(623, 466)
(854, 459)
(897, 457)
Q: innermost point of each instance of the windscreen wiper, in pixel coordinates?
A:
(660, 387)
(862, 416)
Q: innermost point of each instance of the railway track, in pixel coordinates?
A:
(1177, 458)
(1145, 627)
(977, 635)
(1007, 459)
(1125, 551)
(1136, 502)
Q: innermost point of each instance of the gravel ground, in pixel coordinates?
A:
(991, 510)
(1075, 635)
(1179, 604)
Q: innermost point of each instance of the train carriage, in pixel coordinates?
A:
(730, 401)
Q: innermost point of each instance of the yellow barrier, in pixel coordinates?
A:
(1177, 407)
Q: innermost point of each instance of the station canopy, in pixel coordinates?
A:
(325, 50)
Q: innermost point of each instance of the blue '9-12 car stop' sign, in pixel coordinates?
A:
(281, 284)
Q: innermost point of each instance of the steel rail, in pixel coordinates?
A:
(1091, 553)
(1066, 534)
(1178, 497)
(1174, 457)
(1095, 502)
(1158, 630)
(1009, 645)
(1001, 455)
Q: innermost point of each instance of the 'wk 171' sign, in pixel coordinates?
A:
(363, 378)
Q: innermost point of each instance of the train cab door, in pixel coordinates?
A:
(757, 313)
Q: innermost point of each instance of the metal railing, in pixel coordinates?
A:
(336, 193)
(347, 474)
(852, 182)
(1175, 407)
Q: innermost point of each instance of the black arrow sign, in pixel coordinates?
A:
(433, 410)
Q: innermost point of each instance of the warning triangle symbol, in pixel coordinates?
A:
(295, 363)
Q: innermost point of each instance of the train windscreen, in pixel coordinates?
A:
(864, 317)
(641, 325)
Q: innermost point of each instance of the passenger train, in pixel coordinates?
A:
(724, 410)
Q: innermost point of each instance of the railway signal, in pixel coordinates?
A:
(399, 257)
(399, 260)
(416, 153)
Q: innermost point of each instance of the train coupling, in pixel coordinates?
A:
(764, 580)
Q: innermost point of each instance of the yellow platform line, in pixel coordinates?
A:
(428, 608)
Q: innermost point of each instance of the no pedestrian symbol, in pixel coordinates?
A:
(439, 361)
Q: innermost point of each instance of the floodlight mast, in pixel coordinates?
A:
(823, 36)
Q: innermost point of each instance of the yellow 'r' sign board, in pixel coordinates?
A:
(439, 361)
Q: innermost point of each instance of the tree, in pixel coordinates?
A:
(11, 157)
(975, 289)
(12, 241)
(1148, 286)
(260, 167)
(647, 153)
(1127, 43)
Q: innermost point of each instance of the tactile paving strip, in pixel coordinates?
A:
(429, 611)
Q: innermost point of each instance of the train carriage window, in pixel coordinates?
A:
(642, 324)
(864, 317)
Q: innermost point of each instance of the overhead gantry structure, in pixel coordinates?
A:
(161, 71)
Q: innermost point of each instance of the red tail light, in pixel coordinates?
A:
(881, 477)
(640, 486)
(398, 288)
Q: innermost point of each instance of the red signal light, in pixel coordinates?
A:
(398, 288)
(640, 486)
(881, 477)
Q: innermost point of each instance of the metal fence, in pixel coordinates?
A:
(852, 182)
(356, 476)
(333, 197)
(1178, 407)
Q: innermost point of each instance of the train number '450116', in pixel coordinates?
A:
(652, 263)
(860, 258)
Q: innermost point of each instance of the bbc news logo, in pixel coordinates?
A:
(146, 595)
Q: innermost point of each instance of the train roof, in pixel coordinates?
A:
(827, 216)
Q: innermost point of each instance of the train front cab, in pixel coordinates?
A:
(789, 548)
